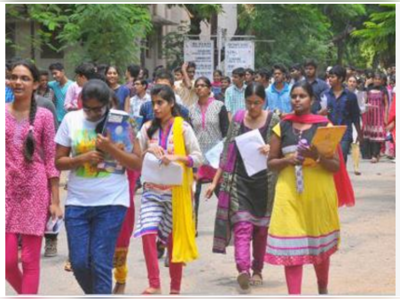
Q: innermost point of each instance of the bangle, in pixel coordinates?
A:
(318, 159)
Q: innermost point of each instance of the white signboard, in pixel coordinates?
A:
(202, 53)
(238, 54)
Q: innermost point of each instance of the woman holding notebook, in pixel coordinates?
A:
(166, 211)
(245, 201)
(304, 226)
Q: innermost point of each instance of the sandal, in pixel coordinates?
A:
(174, 292)
(244, 282)
(68, 266)
(256, 279)
(151, 291)
(119, 288)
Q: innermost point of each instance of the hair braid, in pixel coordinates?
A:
(29, 144)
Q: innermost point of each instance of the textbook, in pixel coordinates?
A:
(326, 139)
(119, 126)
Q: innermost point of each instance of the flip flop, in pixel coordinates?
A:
(256, 279)
(244, 282)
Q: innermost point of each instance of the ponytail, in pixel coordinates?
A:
(29, 143)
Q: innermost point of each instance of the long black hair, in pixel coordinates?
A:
(29, 143)
(306, 86)
(99, 90)
(255, 88)
(167, 94)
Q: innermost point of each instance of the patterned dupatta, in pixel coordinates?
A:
(225, 209)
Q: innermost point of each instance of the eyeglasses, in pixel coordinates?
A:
(96, 110)
(201, 86)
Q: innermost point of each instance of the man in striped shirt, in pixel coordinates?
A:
(234, 95)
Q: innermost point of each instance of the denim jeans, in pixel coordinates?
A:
(92, 234)
(345, 149)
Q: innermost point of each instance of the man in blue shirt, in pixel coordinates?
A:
(278, 94)
(9, 92)
(59, 86)
(319, 86)
(343, 108)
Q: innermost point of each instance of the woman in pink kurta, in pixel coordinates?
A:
(31, 178)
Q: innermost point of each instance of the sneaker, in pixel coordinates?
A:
(50, 248)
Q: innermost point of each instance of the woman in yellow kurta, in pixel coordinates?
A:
(304, 227)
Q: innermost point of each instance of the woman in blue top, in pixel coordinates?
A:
(122, 92)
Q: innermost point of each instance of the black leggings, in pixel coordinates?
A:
(197, 198)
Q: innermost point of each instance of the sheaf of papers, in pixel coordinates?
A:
(248, 145)
(214, 154)
(53, 226)
(155, 172)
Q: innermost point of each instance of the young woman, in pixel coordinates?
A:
(245, 202)
(376, 117)
(96, 200)
(166, 211)
(304, 226)
(210, 124)
(31, 178)
(122, 92)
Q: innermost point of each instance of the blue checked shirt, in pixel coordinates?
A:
(234, 99)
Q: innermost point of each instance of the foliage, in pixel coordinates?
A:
(103, 33)
(173, 46)
(379, 34)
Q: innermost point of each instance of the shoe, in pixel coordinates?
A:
(244, 282)
(50, 248)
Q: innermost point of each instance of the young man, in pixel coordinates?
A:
(343, 108)
(178, 75)
(131, 75)
(185, 88)
(263, 76)
(9, 92)
(133, 105)
(44, 90)
(278, 94)
(59, 86)
(162, 77)
(319, 86)
(248, 76)
(234, 95)
(225, 83)
(296, 73)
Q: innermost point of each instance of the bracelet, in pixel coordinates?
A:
(318, 159)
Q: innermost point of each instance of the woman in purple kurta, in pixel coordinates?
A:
(31, 178)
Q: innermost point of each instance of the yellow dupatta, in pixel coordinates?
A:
(183, 225)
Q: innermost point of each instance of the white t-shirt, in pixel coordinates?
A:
(86, 185)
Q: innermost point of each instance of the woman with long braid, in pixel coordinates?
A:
(31, 178)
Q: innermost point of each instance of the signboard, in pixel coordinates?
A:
(238, 54)
(202, 53)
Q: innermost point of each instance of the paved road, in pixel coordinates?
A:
(365, 264)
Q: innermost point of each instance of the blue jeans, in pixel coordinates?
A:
(345, 145)
(92, 234)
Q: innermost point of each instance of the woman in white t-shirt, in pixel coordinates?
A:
(97, 200)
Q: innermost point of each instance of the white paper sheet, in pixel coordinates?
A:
(248, 145)
(214, 154)
(155, 172)
(53, 226)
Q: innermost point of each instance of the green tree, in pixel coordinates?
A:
(379, 34)
(103, 33)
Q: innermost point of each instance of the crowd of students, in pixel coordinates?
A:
(54, 126)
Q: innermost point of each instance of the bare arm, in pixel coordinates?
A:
(65, 162)
(186, 80)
